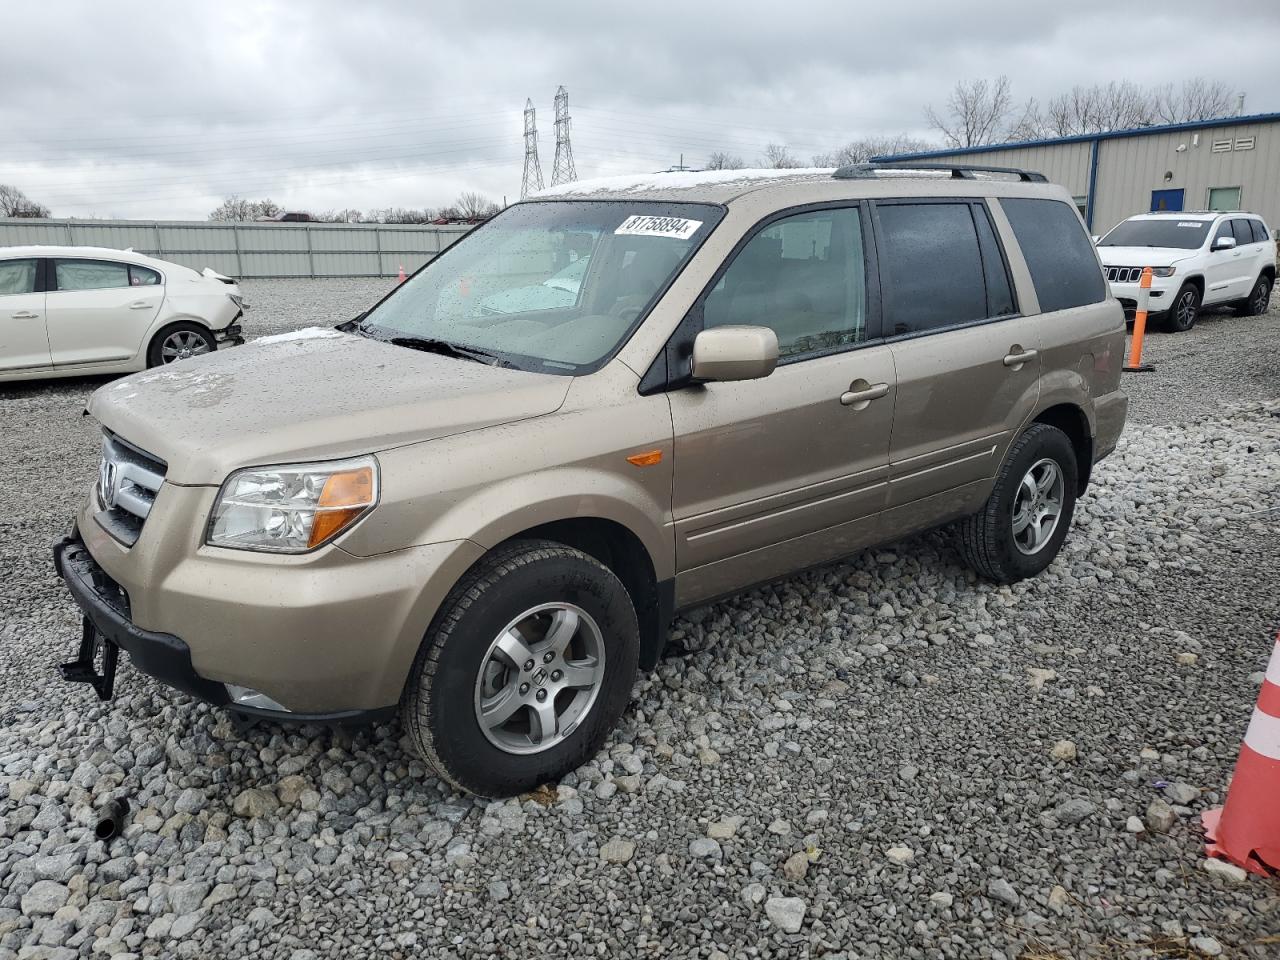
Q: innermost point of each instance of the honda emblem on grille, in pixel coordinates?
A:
(107, 483)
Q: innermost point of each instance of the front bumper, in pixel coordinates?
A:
(1162, 292)
(167, 658)
(326, 635)
(231, 335)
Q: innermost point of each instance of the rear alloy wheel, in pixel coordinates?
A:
(524, 671)
(1185, 309)
(178, 342)
(1020, 529)
(1259, 298)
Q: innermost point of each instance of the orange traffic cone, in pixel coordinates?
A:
(402, 276)
(1246, 830)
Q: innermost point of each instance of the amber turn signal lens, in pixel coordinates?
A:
(344, 498)
(646, 459)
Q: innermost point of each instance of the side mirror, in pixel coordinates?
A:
(734, 353)
(1224, 243)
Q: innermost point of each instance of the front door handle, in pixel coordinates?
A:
(26, 315)
(860, 393)
(139, 305)
(1018, 359)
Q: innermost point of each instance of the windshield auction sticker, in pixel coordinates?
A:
(676, 228)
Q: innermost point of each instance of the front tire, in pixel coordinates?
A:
(178, 341)
(1259, 299)
(1184, 310)
(1020, 529)
(524, 671)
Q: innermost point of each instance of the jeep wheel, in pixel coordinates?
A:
(527, 666)
(1020, 529)
(1259, 298)
(1184, 310)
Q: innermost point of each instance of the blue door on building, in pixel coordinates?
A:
(1162, 200)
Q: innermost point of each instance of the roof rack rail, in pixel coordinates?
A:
(856, 171)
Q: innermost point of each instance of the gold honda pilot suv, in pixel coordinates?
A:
(481, 502)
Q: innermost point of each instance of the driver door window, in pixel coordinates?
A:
(804, 277)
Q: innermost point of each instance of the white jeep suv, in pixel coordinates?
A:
(1196, 259)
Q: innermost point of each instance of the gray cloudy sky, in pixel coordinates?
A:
(138, 109)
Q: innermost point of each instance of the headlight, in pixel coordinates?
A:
(1162, 271)
(294, 508)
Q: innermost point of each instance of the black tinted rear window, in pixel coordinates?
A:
(1063, 265)
(1259, 231)
(1243, 232)
(931, 267)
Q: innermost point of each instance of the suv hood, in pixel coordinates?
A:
(312, 395)
(1143, 256)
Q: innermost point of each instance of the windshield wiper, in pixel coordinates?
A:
(446, 349)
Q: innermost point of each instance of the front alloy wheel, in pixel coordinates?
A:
(525, 669)
(1185, 309)
(182, 344)
(540, 677)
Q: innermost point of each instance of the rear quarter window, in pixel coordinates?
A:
(1063, 265)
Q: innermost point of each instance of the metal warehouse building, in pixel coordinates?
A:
(1227, 164)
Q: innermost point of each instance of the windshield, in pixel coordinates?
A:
(1181, 234)
(550, 286)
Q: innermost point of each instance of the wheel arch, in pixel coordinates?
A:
(1074, 422)
(623, 552)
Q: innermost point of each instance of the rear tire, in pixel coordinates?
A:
(1019, 530)
(1184, 310)
(477, 716)
(179, 341)
(1259, 299)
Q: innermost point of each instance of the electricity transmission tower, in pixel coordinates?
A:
(563, 171)
(532, 167)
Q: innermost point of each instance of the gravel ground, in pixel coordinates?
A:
(882, 758)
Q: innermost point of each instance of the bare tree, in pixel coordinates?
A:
(400, 215)
(1121, 105)
(860, 151)
(15, 203)
(474, 206)
(778, 157)
(975, 113)
(1199, 99)
(724, 161)
(237, 208)
(350, 215)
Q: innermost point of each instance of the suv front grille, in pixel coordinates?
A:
(128, 481)
(1123, 274)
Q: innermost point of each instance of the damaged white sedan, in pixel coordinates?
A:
(74, 311)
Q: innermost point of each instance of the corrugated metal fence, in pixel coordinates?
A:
(247, 250)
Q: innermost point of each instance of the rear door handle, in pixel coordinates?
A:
(139, 305)
(1018, 359)
(26, 315)
(864, 395)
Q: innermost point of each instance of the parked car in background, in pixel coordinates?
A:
(1197, 259)
(71, 311)
(488, 521)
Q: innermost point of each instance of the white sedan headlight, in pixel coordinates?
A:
(294, 508)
